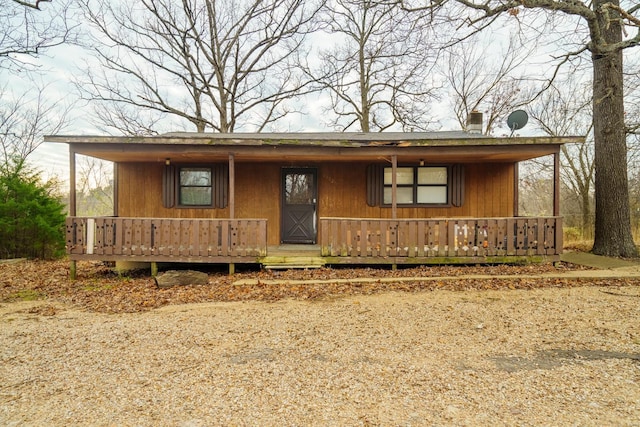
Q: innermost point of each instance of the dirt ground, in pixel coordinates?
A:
(98, 288)
(524, 353)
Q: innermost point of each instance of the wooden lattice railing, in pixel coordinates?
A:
(446, 237)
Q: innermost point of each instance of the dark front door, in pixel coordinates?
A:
(299, 198)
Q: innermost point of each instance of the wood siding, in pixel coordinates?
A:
(342, 192)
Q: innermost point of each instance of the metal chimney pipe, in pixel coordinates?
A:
(474, 122)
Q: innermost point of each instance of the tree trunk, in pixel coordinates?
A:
(613, 220)
(587, 227)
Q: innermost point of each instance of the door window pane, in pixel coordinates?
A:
(299, 188)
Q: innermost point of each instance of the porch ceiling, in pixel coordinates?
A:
(335, 147)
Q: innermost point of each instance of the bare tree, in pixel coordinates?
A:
(632, 123)
(604, 29)
(482, 79)
(24, 119)
(95, 187)
(565, 109)
(220, 65)
(27, 30)
(632, 98)
(377, 74)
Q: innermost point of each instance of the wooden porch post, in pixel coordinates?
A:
(232, 198)
(72, 181)
(115, 189)
(394, 195)
(232, 186)
(556, 183)
(72, 199)
(516, 189)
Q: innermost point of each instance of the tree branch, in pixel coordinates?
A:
(31, 5)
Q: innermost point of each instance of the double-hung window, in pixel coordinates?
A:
(195, 186)
(420, 185)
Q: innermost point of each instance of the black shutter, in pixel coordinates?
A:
(457, 185)
(374, 185)
(220, 185)
(169, 186)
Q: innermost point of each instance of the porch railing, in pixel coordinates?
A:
(447, 237)
(166, 239)
(344, 239)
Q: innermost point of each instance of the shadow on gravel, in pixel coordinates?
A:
(554, 358)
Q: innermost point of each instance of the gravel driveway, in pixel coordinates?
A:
(514, 357)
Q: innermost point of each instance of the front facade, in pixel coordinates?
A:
(352, 198)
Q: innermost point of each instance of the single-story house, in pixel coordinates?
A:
(315, 198)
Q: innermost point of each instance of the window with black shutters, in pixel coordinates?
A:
(431, 185)
(197, 186)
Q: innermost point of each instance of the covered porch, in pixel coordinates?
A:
(340, 241)
(390, 198)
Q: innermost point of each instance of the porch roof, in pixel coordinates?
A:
(450, 146)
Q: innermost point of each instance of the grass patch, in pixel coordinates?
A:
(578, 245)
(97, 286)
(26, 295)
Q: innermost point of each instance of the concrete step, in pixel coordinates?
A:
(292, 262)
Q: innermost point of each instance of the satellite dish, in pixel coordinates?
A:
(517, 120)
